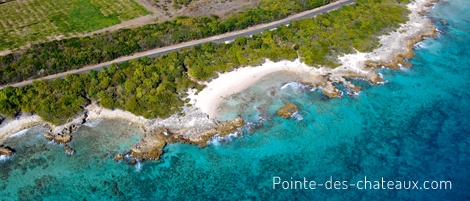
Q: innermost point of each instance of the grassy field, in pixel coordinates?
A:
(26, 21)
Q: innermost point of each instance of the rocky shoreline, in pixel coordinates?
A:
(400, 59)
(6, 151)
(402, 40)
(394, 51)
(151, 146)
(362, 67)
(196, 127)
(193, 128)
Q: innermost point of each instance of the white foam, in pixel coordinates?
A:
(294, 85)
(4, 158)
(215, 140)
(315, 88)
(18, 134)
(138, 166)
(93, 123)
(297, 116)
(230, 137)
(421, 45)
(52, 142)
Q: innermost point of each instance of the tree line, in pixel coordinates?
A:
(59, 56)
(157, 87)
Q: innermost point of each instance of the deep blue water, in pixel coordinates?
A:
(413, 128)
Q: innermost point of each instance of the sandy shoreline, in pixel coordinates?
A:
(206, 102)
(194, 120)
(12, 126)
(240, 79)
(352, 65)
(97, 112)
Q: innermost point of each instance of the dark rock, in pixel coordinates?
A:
(6, 151)
(68, 150)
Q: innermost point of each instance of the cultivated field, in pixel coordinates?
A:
(28, 21)
(193, 8)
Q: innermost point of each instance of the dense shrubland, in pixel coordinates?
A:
(4, 1)
(156, 87)
(59, 56)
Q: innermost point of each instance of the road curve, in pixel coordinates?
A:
(219, 38)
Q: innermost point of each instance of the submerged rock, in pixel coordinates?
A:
(332, 92)
(443, 22)
(148, 153)
(49, 136)
(287, 110)
(118, 157)
(68, 150)
(73, 128)
(151, 146)
(6, 151)
(352, 90)
(61, 139)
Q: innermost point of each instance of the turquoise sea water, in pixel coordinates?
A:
(415, 127)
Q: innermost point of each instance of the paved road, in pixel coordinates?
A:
(219, 38)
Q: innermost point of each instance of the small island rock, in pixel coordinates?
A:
(68, 150)
(443, 22)
(287, 110)
(118, 157)
(6, 151)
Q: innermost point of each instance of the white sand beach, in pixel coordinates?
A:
(226, 84)
(240, 79)
(12, 126)
(352, 65)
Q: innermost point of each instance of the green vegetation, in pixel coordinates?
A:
(177, 4)
(146, 87)
(29, 21)
(5, 1)
(156, 87)
(59, 56)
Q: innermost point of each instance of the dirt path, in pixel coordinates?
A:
(219, 38)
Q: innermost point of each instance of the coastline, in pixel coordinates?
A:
(12, 126)
(240, 79)
(394, 48)
(94, 112)
(200, 119)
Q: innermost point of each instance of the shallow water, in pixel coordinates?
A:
(415, 127)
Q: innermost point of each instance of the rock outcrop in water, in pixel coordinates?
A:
(287, 110)
(331, 91)
(68, 150)
(6, 151)
(150, 147)
(60, 138)
(401, 58)
(443, 22)
(118, 157)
